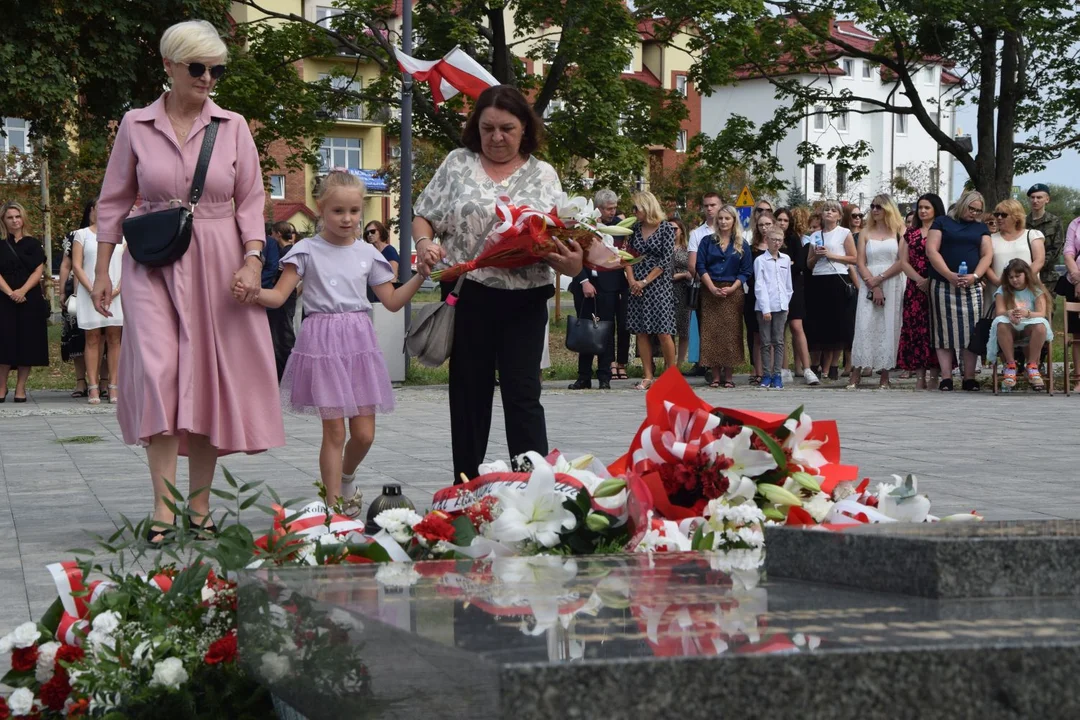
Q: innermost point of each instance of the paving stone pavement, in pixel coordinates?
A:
(1010, 457)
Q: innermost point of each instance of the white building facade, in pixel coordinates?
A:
(904, 161)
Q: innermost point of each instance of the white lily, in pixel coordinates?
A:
(567, 207)
(804, 451)
(745, 463)
(818, 506)
(614, 230)
(534, 512)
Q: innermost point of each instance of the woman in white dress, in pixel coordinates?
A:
(881, 305)
(83, 262)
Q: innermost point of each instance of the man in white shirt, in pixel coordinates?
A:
(710, 206)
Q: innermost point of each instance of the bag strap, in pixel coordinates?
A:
(199, 179)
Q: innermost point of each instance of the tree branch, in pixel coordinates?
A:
(558, 65)
(1063, 145)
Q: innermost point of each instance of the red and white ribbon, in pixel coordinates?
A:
(683, 436)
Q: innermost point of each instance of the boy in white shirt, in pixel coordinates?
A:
(772, 282)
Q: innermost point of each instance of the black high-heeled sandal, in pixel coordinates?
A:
(161, 535)
(205, 532)
(81, 393)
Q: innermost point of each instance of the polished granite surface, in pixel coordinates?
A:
(517, 637)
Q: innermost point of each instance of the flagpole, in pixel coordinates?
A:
(405, 201)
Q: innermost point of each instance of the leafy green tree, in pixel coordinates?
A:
(1016, 60)
(595, 117)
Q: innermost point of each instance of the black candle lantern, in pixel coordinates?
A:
(391, 498)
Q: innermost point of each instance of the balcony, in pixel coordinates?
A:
(358, 114)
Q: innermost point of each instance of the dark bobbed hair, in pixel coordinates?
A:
(384, 232)
(86, 213)
(509, 99)
(935, 202)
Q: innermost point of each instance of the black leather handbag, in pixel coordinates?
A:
(161, 238)
(693, 297)
(589, 335)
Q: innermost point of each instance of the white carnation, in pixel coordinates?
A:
(398, 522)
(21, 701)
(397, 574)
(274, 667)
(106, 622)
(169, 673)
(818, 506)
(25, 635)
(46, 662)
(329, 539)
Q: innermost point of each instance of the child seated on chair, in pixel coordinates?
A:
(1022, 308)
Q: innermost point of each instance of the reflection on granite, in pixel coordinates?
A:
(632, 636)
(1020, 558)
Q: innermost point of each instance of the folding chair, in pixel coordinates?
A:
(1067, 342)
(1019, 349)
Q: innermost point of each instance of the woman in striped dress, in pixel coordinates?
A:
(960, 241)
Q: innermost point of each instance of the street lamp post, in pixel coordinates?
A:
(405, 202)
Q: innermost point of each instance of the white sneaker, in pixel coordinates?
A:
(810, 377)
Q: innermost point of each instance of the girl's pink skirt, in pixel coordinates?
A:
(336, 369)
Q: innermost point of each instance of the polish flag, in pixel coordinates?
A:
(455, 72)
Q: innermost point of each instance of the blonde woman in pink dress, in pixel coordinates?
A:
(197, 370)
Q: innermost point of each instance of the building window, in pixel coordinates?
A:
(819, 178)
(340, 152)
(867, 70)
(819, 117)
(324, 13)
(680, 84)
(277, 187)
(849, 67)
(553, 107)
(901, 124)
(343, 84)
(680, 142)
(629, 65)
(841, 180)
(16, 131)
(929, 74)
(842, 121)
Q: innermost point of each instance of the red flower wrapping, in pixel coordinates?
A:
(55, 693)
(24, 659)
(222, 650)
(435, 527)
(357, 560)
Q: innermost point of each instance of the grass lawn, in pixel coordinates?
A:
(61, 376)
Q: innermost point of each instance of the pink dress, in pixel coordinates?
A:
(193, 359)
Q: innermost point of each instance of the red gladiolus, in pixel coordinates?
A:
(55, 693)
(23, 659)
(435, 527)
(222, 650)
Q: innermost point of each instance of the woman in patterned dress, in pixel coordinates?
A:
(651, 310)
(916, 354)
(681, 278)
(501, 315)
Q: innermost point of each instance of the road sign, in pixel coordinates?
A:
(745, 198)
(744, 215)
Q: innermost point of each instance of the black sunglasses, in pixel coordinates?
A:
(857, 216)
(875, 206)
(371, 231)
(1001, 215)
(197, 70)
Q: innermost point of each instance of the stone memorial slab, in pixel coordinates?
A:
(1021, 558)
(637, 636)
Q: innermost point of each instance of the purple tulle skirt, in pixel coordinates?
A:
(336, 369)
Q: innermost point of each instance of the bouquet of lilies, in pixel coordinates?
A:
(525, 235)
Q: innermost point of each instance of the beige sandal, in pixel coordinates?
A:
(113, 399)
(95, 396)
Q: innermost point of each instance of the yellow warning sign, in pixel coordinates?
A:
(745, 198)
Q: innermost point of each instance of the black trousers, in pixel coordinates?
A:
(496, 330)
(605, 305)
(622, 335)
(282, 333)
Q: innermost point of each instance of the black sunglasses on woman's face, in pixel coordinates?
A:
(856, 216)
(197, 70)
(371, 231)
(1001, 215)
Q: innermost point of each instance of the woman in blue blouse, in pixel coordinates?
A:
(724, 265)
(960, 238)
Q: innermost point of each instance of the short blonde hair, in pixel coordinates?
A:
(832, 205)
(964, 203)
(338, 179)
(736, 229)
(893, 221)
(1015, 211)
(192, 40)
(647, 202)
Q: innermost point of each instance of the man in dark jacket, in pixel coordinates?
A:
(281, 237)
(605, 295)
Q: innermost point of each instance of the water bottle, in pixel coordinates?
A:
(819, 239)
(962, 270)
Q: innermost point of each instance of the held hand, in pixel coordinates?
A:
(588, 290)
(248, 277)
(718, 292)
(429, 253)
(567, 259)
(18, 296)
(766, 316)
(637, 288)
(820, 251)
(879, 297)
(102, 294)
(873, 282)
(1073, 277)
(924, 285)
(955, 280)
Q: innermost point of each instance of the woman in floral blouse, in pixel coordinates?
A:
(501, 315)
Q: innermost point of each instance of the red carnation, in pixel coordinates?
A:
(222, 650)
(481, 511)
(23, 659)
(713, 484)
(55, 693)
(435, 527)
(5, 712)
(80, 708)
(69, 654)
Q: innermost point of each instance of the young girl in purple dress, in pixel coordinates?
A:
(336, 370)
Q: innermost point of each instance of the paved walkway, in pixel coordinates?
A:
(1010, 457)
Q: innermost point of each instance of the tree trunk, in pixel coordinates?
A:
(501, 63)
(985, 161)
(1008, 99)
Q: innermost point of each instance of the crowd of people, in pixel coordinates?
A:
(869, 292)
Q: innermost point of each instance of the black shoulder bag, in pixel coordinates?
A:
(589, 335)
(161, 238)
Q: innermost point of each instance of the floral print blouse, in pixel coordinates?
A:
(459, 202)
